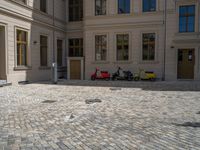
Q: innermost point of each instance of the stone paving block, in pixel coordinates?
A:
(139, 116)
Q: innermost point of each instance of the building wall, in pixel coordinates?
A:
(135, 24)
(36, 23)
(176, 40)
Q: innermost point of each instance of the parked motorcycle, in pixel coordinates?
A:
(100, 75)
(144, 75)
(122, 75)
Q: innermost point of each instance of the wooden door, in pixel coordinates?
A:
(75, 69)
(186, 61)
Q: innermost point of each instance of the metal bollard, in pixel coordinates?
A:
(55, 73)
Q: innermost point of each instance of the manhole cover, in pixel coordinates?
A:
(48, 101)
(91, 101)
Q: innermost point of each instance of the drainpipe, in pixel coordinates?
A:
(165, 39)
(54, 64)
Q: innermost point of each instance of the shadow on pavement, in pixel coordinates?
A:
(144, 85)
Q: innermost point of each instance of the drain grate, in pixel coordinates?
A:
(189, 124)
(48, 101)
(115, 89)
(91, 101)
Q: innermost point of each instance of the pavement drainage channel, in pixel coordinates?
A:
(189, 124)
(92, 101)
(48, 101)
(115, 89)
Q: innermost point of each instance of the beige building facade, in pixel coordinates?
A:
(174, 53)
(155, 35)
(27, 31)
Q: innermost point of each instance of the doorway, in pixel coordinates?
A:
(186, 62)
(75, 69)
(2, 53)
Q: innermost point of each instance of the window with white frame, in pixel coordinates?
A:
(75, 10)
(22, 47)
(148, 46)
(43, 50)
(100, 47)
(76, 47)
(122, 47)
(124, 6)
(100, 7)
(149, 5)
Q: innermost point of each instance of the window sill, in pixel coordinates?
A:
(102, 15)
(44, 68)
(149, 12)
(21, 68)
(187, 33)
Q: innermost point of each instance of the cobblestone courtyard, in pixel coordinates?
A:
(150, 116)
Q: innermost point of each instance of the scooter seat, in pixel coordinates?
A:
(104, 71)
(149, 72)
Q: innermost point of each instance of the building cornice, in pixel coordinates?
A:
(124, 25)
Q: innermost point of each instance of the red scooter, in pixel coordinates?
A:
(100, 75)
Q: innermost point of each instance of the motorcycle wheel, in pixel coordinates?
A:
(130, 79)
(93, 78)
(107, 79)
(153, 79)
(136, 78)
(113, 78)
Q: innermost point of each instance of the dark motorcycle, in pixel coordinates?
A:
(122, 75)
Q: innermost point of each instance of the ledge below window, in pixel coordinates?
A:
(21, 68)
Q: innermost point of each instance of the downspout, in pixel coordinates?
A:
(53, 33)
(165, 40)
(54, 65)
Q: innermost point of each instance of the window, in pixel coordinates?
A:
(21, 1)
(122, 47)
(123, 6)
(180, 55)
(59, 52)
(187, 18)
(43, 6)
(148, 46)
(22, 46)
(75, 10)
(75, 47)
(100, 7)
(149, 5)
(43, 50)
(100, 47)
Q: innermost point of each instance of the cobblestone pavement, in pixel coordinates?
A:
(149, 116)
